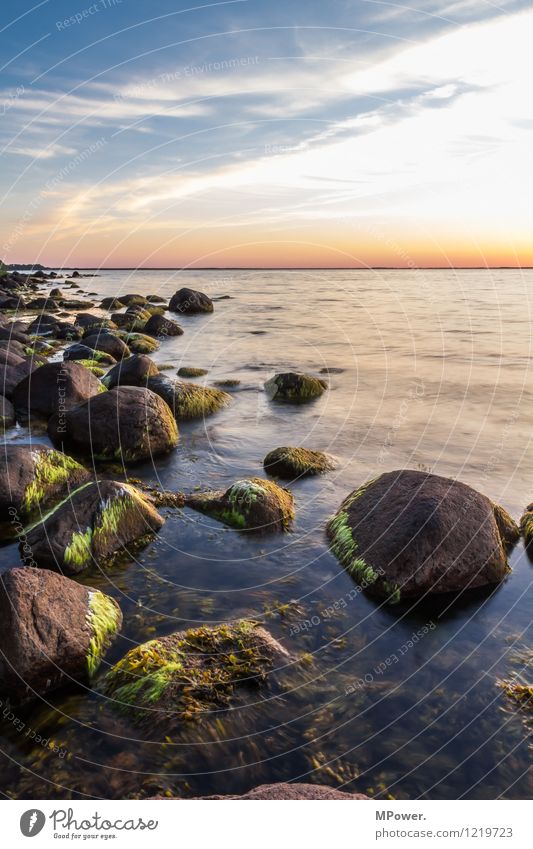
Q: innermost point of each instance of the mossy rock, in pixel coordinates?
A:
(256, 505)
(186, 675)
(289, 462)
(190, 371)
(111, 304)
(521, 694)
(139, 343)
(53, 631)
(98, 521)
(188, 400)
(32, 479)
(132, 371)
(526, 525)
(93, 366)
(295, 388)
(227, 383)
(133, 300)
(162, 327)
(81, 351)
(407, 534)
(107, 344)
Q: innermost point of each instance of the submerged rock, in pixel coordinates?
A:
(255, 505)
(54, 387)
(409, 533)
(32, 479)
(132, 300)
(159, 326)
(295, 387)
(184, 675)
(99, 520)
(188, 400)
(133, 371)
(289, 462)
(190, 301)
(128, 423)
(52, 631)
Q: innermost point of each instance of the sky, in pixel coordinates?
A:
(266, 133)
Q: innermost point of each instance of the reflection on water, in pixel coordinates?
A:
(428, 370)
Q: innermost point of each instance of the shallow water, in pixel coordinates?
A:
(436, 375)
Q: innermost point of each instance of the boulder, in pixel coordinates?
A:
(11, 376)
(294, 387)
(191, 371)
(7, 413)
(133, 371)
(111, 304)
(91, 323)
(44, 325)
(52, 631)
(54, 387)
(127, 423)
(108, 343)
(526, 525)
(160, 327)
(131, 300)
(409, 533)
(42, 304)
(98, 521)
(189, 301)
(254, 505)
(32, 479)
(155, 299)
(179, 677)
(139, 343)
(188, 400)
(83, 352)
(68, 331)
(289, 791)
(289, 462)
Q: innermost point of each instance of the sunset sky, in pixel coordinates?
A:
(266, 133)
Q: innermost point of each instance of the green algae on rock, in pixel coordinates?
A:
(255, 505)
(188, 400)
(289, 462)
(184, 675)
(191, 371)
(294, 387)
(93, 366)
(98, 521)
(53, 631)
(104, 619)
(406, 534)
(33, 478)
(139, 343)
(526, 524)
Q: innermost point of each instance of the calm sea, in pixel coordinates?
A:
(434, 373)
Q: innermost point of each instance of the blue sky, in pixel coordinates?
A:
(255, 133)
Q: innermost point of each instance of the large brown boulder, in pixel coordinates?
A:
(408, 533)
(133, 371)
(190, 301)
(53, 388)
(80, 351)
(11, 376)
(52, 631)
(128, 423)
(99, 520)
(295, 387)
(32, 479)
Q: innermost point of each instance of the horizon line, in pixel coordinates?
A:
(13, 265)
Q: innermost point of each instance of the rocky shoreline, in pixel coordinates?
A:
(403, 535)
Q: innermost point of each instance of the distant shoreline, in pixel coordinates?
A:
(14, 266)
